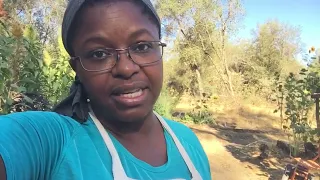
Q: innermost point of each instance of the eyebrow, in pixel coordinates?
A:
(140, 32)
(98, 38)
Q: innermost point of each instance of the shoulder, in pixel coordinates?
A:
(39, 120)
(41, 138)
(32, 115)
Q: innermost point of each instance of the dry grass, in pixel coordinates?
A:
(233, 145)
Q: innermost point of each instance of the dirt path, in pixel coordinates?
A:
(233, 145)
(223, 163)
(225, 166)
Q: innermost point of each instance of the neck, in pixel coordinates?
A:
(128, 130)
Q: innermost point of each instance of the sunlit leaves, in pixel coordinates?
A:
(47, 59)
(298, 102)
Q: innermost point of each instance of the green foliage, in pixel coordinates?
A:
(280, 95)
(27, 67)
(165, 104)
(200, 115)
(294, 96)
(58, 73)
(19, 57)
(298, 103)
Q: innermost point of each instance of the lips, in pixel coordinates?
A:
(131, 94)
(129, 88)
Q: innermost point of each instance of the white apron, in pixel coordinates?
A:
(117, 168)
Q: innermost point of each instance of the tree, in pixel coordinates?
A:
(228, 15)
(275, 43)
(273, 50)
(184, 17)
(202, 32)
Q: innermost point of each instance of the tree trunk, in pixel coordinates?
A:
(281, 110)
(224, 60)
(200, 84)
(316, 96)
(317, 113)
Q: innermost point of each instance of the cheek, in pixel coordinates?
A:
(155, 76)
(93, 82)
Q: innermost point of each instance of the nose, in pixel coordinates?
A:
(125, 67)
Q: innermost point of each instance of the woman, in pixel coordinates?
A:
(106, 128)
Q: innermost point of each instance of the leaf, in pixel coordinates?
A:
(21, 89)
(29, 100)
(9, 101)
(14, 86)
(56, 86)
(300, 81)
(47, 58)
(28, 81)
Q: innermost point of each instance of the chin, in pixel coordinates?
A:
(133, 115)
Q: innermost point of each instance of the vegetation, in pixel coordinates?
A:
(203, 62)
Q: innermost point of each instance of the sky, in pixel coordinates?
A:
(302, 13)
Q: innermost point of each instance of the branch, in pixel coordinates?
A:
(184, 34)
(46, 36)
(212, 45)
(219, 73)
(5, 27)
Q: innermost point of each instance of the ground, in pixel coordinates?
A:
(232, 144)
(226, 162)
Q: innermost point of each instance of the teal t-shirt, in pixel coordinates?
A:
(46, 145)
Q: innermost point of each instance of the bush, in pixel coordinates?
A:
(165, 104)
(199, 117)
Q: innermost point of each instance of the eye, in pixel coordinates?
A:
(101, 54)
(142, 47)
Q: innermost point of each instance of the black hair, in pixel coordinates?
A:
(76, 21)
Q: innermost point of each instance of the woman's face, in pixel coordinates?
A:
(127, 92)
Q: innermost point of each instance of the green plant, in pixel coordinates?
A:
(17, 63)
(58, 73)
(26, 66)
(298, 102)
(280, 93)
(294, 97)
(201, 113)
(165, 104)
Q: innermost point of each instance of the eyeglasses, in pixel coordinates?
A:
(142, 53)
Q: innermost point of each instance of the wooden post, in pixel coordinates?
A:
(316, 96)
(317, 113)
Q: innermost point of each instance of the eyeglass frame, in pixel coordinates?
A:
(161, 45)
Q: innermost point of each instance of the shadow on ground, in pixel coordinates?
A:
(243, 143)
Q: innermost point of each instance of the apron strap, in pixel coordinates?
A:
(117, 168)
(195, 174)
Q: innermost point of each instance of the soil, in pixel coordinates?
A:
(232, 146)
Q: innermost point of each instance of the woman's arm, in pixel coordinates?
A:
(2, 170)
(31, 144)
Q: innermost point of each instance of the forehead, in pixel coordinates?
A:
(114, 19)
